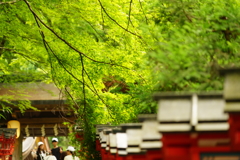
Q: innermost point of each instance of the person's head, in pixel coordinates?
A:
(55, 142)
(70, 150)
(40, 146)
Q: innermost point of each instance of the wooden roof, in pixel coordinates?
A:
(52, 108)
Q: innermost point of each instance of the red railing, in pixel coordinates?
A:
(7, 140)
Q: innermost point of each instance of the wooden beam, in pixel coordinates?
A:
(51, 106)
(45, 125)
(45, 120)
(36, 132)
(46, 106)
(47, 110)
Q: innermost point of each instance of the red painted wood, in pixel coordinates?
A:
(176, 139)
(136, 157)
(194, 153)
(104, 154)
(189, 146)
(98, 145)
(111, 156)
(154, 154)
(118, 157)
(234, 122)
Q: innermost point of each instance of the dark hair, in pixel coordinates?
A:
(64, 153)
(72, 153)
(39, 150)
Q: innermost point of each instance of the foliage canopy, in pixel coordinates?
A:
(109, 56)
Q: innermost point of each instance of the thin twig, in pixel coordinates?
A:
(117, 22)
(71, 97)
(24, 55)
(102, 18)
(28, 58)
(188, 17)
(97, 93)
(129, 13)
(143, 11)
(92, 27)
(83, 84)
(185, 13)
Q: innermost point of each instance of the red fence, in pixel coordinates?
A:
(7, 140)
(121, 143)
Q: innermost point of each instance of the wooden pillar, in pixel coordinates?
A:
(17, 153)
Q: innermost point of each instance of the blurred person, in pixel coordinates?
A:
(70, 154)
(40, 153)
(50, 157)
(34, 153)
(64, 154)
(56, 150)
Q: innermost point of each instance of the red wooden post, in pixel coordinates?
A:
(232, 106)
(98, 144)
(103, 141)
(234, 131)
(106, 133)
(97, 141)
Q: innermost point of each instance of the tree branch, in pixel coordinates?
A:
(185, 13)
(102, 18)
(188, 17)
(143, 11)
(94, 91)
(129, 13)
(117, 22)
(83, 85)
(49, 49)
(71, 97)
(28, 58)
(66, 42)
(24, 55)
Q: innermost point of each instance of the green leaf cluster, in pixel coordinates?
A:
(192, 39)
